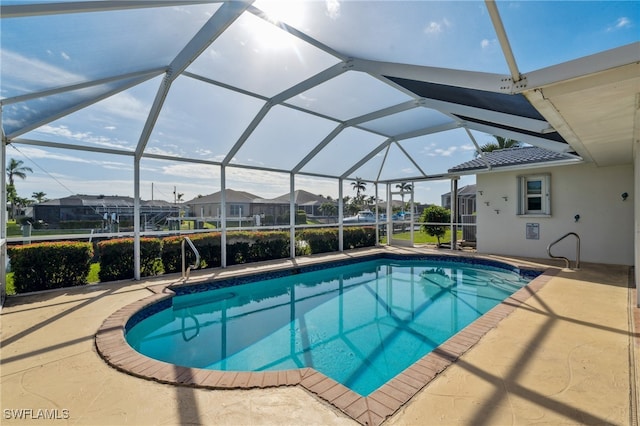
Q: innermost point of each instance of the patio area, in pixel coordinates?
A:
(566, 355)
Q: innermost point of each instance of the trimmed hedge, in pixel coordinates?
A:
(320, 240)
(357, 237)
(44, 266)
(208, 245)
(326, 239)
(116, 258)
(242, 247)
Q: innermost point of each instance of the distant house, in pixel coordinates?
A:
(238, 204)
(246, 206)
(100, 207)
(529, 197)
(305, 200)
(466, 200)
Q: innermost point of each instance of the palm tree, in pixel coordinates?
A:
(359, 186)
(39, 196)
(404, 187)
(501, 143)
(328, 209)
(16, 169)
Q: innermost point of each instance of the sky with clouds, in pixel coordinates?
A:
(205, 121)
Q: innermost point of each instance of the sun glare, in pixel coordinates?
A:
(273, 35)
(283, 11)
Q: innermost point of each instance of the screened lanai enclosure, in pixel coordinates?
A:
(200, 97)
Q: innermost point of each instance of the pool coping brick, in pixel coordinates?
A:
(371, 410)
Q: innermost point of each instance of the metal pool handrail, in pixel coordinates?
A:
(562, 257)
(185, 270)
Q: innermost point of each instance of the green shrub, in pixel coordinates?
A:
(248, 246)
(357, 237)
(320, 240)
(301, 217)
(268, 246)
(435, 214)
(43, 266)
(116, 258)
(208, 245)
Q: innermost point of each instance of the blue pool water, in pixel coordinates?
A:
(360, 324)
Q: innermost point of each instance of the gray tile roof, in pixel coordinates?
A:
(512, 157)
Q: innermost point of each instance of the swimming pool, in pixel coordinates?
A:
(360, 323)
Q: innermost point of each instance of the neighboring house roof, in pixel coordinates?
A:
(513, 157)
(302, 198)
(102, 201)
(465, 191)
(231, 196)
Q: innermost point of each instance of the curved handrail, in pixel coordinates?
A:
(562, 257)
(185, 272)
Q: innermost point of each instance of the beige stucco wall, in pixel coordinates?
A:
(606, 224)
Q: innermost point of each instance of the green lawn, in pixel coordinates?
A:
(420, 237)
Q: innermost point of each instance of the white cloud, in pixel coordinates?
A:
(488, 44)
(27, 73)
(434, 27)
(37, 153)
(83, 137)
(124, 105)
(65, 56)
(622, 22)
(432, 151)
(333, 9)
(192, 171)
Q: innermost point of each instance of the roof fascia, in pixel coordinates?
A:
(582, 67)
(549, 111)
(533, 140)
(499, 83)
(511, 120)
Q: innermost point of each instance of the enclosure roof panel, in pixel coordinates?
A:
(377, 90)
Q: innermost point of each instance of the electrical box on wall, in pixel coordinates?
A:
(533, 231)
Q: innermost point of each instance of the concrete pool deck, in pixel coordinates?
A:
(567, 355)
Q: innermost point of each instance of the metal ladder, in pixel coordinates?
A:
(562, 257)
(186, 270)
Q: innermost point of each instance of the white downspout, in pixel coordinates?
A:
(636, 199)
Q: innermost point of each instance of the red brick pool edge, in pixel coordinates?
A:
(371, 410)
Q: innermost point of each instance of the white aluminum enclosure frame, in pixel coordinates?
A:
(530, 85)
